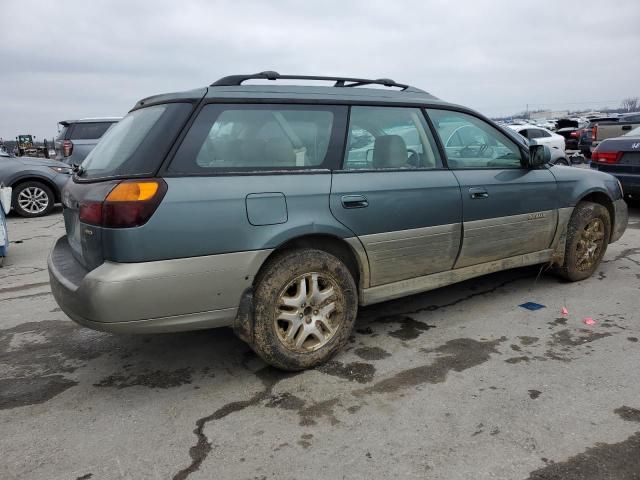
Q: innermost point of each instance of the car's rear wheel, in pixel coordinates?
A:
(306, 303)
(32, 199)
(562, 161)
(588, 235)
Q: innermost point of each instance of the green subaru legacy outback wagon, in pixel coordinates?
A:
(279, 209)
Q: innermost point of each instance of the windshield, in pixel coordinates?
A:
(137, 144)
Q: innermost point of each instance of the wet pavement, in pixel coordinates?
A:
(456, 383)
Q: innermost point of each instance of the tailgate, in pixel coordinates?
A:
(85, 240)
(611, 130)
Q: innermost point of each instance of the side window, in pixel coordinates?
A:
(534, 133)
(473, 143)
(524, 133)
(389, 137)
(245, 137)
(543, 133)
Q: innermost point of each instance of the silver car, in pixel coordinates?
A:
(36, 183)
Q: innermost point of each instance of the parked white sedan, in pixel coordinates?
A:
(542, 136)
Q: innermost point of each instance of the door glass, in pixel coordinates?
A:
(543, 134)
(534, 133)
(230, 137)
(473, 143)
(389, 137)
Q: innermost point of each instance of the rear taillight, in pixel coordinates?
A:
(605, 157)
(67, 148)
(129, 204)
(594, 132)
(575, 134)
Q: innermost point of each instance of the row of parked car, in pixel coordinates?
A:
(584, 134)
(37, 182)
(612, 144)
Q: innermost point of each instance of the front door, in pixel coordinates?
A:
(508, 209)
(395, 196)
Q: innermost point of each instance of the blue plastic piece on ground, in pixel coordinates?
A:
(532, 306)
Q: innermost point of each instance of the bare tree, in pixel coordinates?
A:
(630, 104)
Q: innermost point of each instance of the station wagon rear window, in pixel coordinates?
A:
(136, 144)
(258, 137)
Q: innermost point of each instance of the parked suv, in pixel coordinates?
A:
(278, 210)
(78, 137)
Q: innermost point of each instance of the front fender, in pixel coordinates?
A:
(574, 184)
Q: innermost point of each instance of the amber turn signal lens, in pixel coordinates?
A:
(133, 191)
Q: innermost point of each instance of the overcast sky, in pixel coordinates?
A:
(74, 59)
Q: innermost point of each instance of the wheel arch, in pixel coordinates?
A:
(602, 198)
(36, 178)
(348, 251)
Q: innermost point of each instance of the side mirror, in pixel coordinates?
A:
(539, 155)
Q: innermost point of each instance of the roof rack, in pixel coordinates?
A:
(234, 80)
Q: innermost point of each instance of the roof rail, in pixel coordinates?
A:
(234, 80)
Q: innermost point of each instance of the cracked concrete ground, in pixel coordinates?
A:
(456, 383)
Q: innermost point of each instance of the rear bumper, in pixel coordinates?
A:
(621, 219)
(630, 181)
(161, 296)
(571, 145)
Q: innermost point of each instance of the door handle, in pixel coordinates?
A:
(478, 193)
(354, 201)
(626, 127)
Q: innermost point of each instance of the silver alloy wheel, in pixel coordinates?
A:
(309, 312)
(33, 200)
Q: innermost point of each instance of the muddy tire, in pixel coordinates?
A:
(32, 199)
(305, 305)
(588, 235)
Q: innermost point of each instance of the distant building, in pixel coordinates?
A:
(548, 114)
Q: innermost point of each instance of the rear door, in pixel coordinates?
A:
(508, 209)
(395, 195)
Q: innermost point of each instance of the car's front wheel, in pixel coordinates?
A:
(32, 199)
(588, 235)
(306, 303)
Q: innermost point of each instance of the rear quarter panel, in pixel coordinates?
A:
(208, 216)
